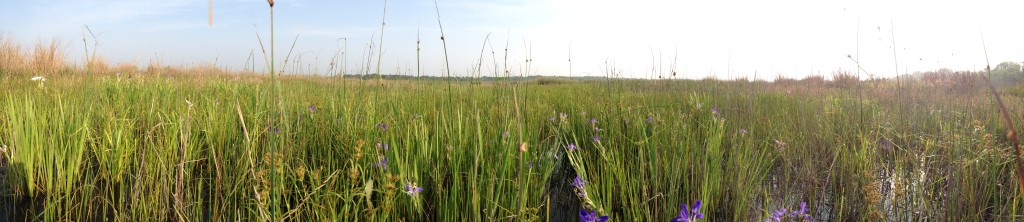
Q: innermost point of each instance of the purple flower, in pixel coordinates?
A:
(778, 215)
(383, 126)
(593, 121)
(276, 131)
(597, 138)
(552, 119)
(578, 182)
(312, 108)
(650, 119)
(412, 189)
(382, 146)
(803, 212)
(383, 163)
(714, 110)
(505, 134)
(743, 131)
(597, 129)
(572, 146)
(591, 216)
(782, 214)
(563, 115)
(687, 214)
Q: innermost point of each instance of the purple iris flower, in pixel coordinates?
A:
(572, 146)
(591, 216)
(782, 214)
(578, 182)
(687, 214)
(383, 163)
(412, 189)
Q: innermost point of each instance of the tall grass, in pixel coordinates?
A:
(216, 147)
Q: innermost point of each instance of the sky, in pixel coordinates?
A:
(637, 39)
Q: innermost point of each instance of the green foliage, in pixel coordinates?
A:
(1007, 74)
(154, 148)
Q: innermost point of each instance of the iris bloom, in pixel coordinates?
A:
(572, 146)
(591, 216)
(383, 163)
(578, 182)
(778, 215)
(781, 214)
(687, 214)
(412, 189)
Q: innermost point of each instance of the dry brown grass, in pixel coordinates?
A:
(11, 55)
(48, 57)
(844, 79)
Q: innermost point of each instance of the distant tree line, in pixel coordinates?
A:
(1004, 75)
(1007, 74)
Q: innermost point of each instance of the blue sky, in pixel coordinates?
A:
(726, 39)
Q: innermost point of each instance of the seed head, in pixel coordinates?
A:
(271, 3)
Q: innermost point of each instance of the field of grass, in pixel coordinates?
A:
(182, 147)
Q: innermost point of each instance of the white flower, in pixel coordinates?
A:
(39, 78)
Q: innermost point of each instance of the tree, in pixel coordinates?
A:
(1007, 74)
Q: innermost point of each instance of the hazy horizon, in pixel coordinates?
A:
(726, 40)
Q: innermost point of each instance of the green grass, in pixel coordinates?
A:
(201, 148)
